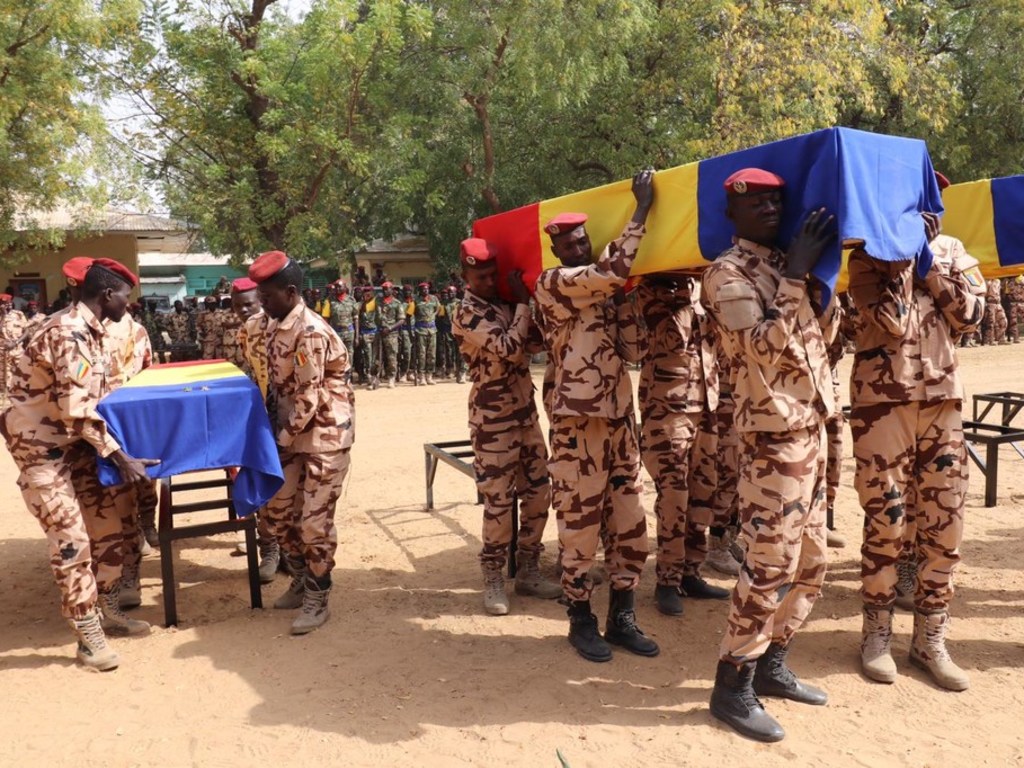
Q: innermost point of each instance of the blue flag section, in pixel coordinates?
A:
(875, 185)
(193, 425)
(1008, 218)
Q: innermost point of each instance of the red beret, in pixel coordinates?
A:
(476, 251)
(33, 304)
(6, 297)
(424, 285)
(242, 284)
(387, 284)
(942, 181)
(74, 269)
(118, 269)
(267, 265)
(565, 222)
(752, 180)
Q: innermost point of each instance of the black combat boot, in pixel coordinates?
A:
(668, 599)
(734, 702)
(583, 634)
(772, 677)
(621, 628)
(695, 587)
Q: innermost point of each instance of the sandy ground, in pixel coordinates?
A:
(410, 672)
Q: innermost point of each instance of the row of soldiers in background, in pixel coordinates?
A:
(1004, 313)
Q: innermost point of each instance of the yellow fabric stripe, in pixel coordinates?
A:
(184, 375)
(671, 240)
(970, 218)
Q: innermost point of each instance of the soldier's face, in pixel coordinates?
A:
(482, 280)
(573, 248)
(385, 292)
(115, 302)
(278, 302)
(245, 303)
(757, 216)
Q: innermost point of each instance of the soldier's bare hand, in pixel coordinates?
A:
(932, 225)
(517, 286)
(816, 233)
(132, 470)
(643, 189)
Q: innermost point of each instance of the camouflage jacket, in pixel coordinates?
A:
(206, 322)
(424, 314)
(311, 404)
(1014, 288)
(57, 383)
(679, 374)
(252, 339)
(776, 339)
(230, 345)
(368, 317)
(344, 314)
(390, 315)
(992, 292)
(907, 328)
(178, 327)
(12, 325)
(580, 325)
(492, 336)
(127, 349)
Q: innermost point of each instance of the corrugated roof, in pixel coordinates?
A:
(161, 259)
(107, 220)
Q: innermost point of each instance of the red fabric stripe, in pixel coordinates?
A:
(187, 363)
(516, 235)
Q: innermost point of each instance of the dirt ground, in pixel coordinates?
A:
(409, 671)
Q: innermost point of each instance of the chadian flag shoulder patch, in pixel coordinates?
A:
(301, 358)
(80, 370)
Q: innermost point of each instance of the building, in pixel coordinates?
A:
(404, 260)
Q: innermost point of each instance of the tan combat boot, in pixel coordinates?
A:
(530, 582)
(293, 596)
(430, 378)
(906, 583)
(876, 644)
(495, 599)
(93, 651)
(270, 559)
(928, 651)
(314, 608)
(116, 621)
(720, 555)
(130, 594)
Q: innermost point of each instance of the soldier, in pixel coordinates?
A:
(994, 323)
(178, 325)
(54, 435)
(908, 442)
(458, 364)
(834, 437)
(345, 318)
(405, 340)
(312, 410)
(424, 318)
(772, 323)
(391, 314)
(595, 459)
(223, 317)
(206, 328)
(33, 317)
(445, 340)
(369, 327)
(12, 326)
(1013, 290)
(151, 322)
(231, 324)
(509, 457)
(678, 383)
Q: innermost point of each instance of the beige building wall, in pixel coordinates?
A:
(43, 272)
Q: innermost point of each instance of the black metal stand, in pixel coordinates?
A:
(978, 432)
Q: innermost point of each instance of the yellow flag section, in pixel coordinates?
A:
(671, 239)
(176, 374)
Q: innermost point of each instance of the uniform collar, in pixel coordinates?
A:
(292, 317)
(94, 323)
(773, 256)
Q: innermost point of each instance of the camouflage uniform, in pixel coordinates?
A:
(994, 322)
(834, 425)
(595, 457)
(783, 395)
(678, 383)
(908, 442)
(1013, 288)
(405, 351)
(343, 320)
(179, 326)
(458, 364)
(445, 341)
(312, 410)
(206, 331)
(230, 346)
(12, 326)
(509, 456)
(425, 334)
(369, 327)
(392, 318)
(54, 434)
(151, 322)
(252, 338)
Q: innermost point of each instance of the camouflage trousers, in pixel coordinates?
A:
(74, 511)
(993, 324)
(782, 516)
(368, 353)
(1014, 318)
(511, 461)
(425, 349)
(834, 462)
(666, 442)
(595, 479)
(405, 363)
(389, 355)
(714, 460)
(301, 514)
(912, 479)
(348, 338)
(209, 349)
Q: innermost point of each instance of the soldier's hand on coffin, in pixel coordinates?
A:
(132, 470)
(815, 234)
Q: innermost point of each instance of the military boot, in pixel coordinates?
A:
(693, 586)
(734, 702)
(668, 600)
(270, 559)
(530, 582)
(495, 599)
(621, 628)
(928, 651)
(876, 644)
(114, 620)
(314, 605)
(583, 634)
(391, 382)
(93, 651)
(773, 677)
(130, 594)
(834, 540)
(720, 557)
(147, 521)
(292, 598)
(906, 583)
(430, 379)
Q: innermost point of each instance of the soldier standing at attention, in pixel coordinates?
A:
(678, 383)
(994, 321)
(54, 435)
(595, 458)
(425, 334)
(12, 326)
(406, 338)
(205, 328)
(369, 327)
(458, 364)
(312, 410)
(907, 397)
(771, 321)
(345, 318)
(151, 323)
(509, 457)
(392, 318)
(445, 341)
(1013, 290)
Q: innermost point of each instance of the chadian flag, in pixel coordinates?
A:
(988, 217)
(876, 186)
(196, 416)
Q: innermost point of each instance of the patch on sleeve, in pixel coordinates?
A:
(80, 369)
(301, 358)
(738, 306)
(974, 279)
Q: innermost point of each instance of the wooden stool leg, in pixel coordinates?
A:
(165, 534)
(252, 554)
